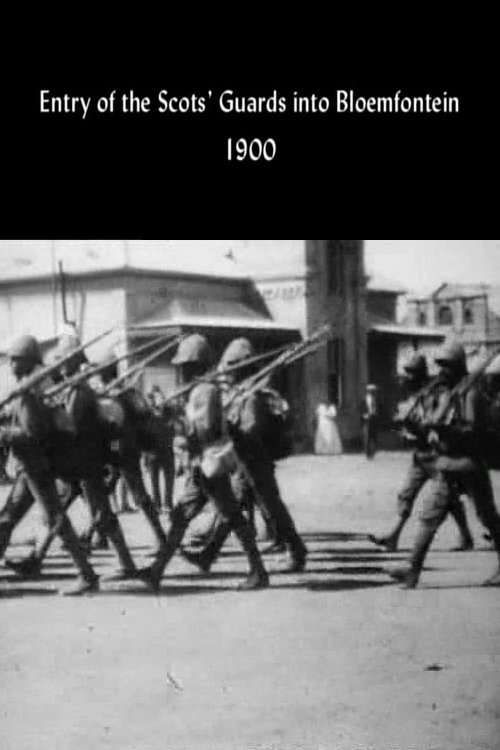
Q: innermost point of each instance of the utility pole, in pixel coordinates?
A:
(53, 271)
(62, 280)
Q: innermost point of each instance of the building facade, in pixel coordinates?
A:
(272, 291)
(391, 344)
(470, 312)
(307, 283)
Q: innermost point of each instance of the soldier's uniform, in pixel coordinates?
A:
(127, 457)
(248, 420)
(458, 459)
(208, 475)
(30, 438)
(419, 473)
(81, 406)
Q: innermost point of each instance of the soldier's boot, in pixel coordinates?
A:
(153, 517)
(257, 577)
(298, 552)
(391, 540)
(89, 580)
(30, 568)
(208, 555)
(466, 541)
(409, 575)
(127, 566)
(286, 532)
(276, 542)
(152, 574)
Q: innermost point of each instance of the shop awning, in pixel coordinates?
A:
(210, 313)
(405, 331)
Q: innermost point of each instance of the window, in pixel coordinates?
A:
(335, 281)
(335, 354)
(422, 318)
(445, 316)
(468, 315)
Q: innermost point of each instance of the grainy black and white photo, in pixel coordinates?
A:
(249, 494)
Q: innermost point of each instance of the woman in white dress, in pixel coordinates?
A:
(327, 439)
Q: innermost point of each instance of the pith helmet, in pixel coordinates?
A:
(194, 348)
(236, 351)
(108, 358)
(417, 364)
(451, 352)
(26, 347)
(67, 344)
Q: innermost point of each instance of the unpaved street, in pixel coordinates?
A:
(337, 658)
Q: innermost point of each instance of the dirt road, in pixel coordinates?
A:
(335, 658)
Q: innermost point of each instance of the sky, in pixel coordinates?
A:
(418, 266)
(422, 265)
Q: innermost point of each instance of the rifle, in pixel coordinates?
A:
(284, 356)
(79, 376)
(140, 366)
(289, 356)
(407, 409)
(39, 375)
(215, 374)
(444, 414)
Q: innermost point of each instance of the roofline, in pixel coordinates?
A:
(125, 270)
(389, 287)
(406, 331)
(306, 276)
(384, 290)
(453, 298)
(265, 326)
(479, 285)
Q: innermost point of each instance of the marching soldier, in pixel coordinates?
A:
(255, 475)
(211, 461)
(30, 437)
(458, 457)
(128, 455)
(81, 406)
(417, 379)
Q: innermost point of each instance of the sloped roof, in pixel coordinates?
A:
(451, 290)
(378, 283)
(209, 313)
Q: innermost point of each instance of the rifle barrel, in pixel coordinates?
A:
(39, 375)
(72, 381)
(132, 370)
